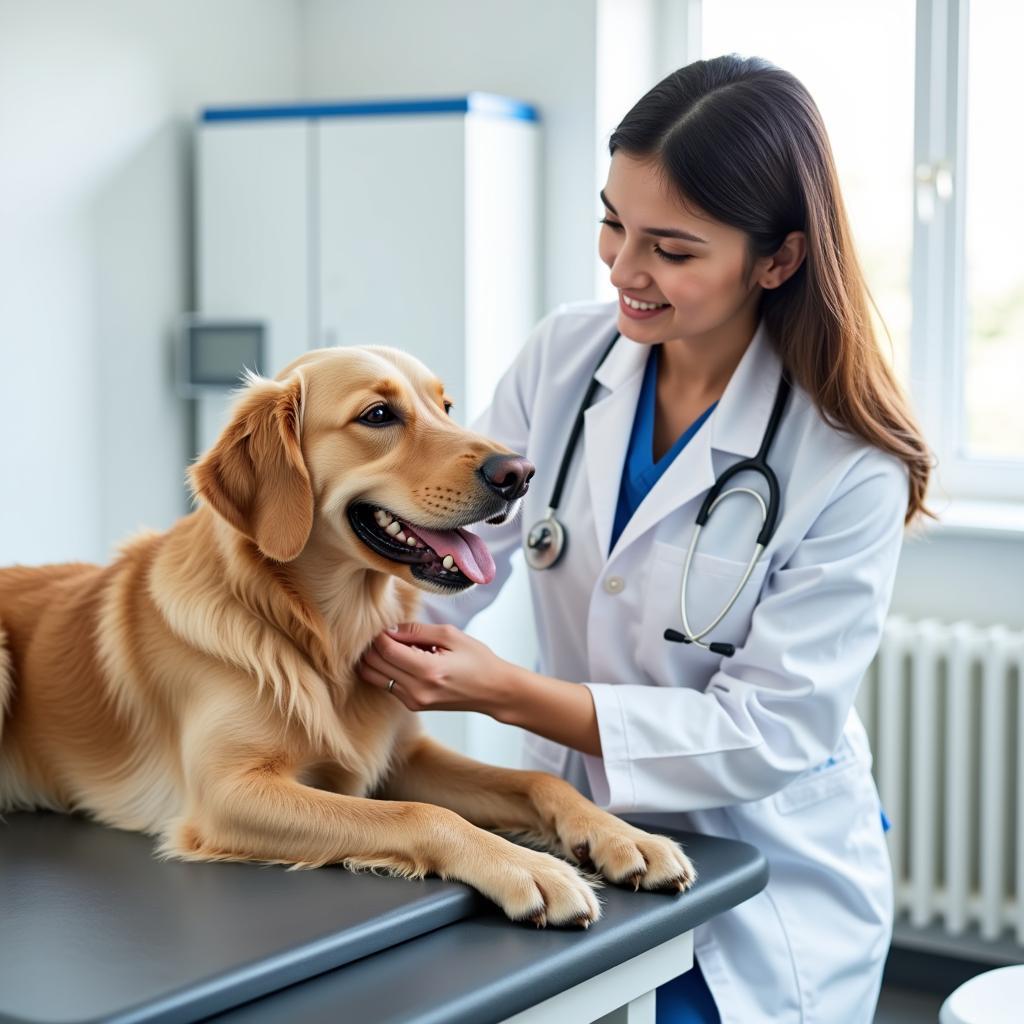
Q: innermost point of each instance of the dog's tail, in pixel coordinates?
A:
(6, 679)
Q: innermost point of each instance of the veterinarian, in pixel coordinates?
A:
(728, 243)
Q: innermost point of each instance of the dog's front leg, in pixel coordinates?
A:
(541, 807)
(257, 810)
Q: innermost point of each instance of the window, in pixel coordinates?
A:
(968, 342)
(994, 413)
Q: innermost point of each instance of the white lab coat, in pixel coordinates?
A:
(764, 746)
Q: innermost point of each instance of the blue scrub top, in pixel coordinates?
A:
(640, 472)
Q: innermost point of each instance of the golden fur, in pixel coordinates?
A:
(201, 688)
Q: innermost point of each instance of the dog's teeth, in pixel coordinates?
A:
(448, 562)
(400, 537)
(411, 541)
(395, 528)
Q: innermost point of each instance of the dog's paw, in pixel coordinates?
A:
(626, 855)
(533, 886)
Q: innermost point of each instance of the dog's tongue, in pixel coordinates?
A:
(468, 550)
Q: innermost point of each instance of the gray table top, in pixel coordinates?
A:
(94, 928)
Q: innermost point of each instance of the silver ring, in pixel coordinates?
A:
(391, 685)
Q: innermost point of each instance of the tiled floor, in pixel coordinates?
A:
(917, 981)
(907, 1006)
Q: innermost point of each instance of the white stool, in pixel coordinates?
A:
(995, 997)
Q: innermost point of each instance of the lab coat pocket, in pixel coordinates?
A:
(711, 583)
(831, 778)
(833, 808)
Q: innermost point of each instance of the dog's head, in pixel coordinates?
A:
(356, 446)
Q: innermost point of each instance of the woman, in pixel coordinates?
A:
(727, 239)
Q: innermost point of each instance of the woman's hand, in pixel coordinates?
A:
(437, 668)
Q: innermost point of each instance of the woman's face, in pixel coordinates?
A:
(662, 252)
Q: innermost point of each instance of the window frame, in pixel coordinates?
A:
(939, 325)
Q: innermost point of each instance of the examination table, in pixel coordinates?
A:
(94, 928)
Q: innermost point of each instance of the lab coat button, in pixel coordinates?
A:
(614, 584)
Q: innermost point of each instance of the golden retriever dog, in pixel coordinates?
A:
(202, 687)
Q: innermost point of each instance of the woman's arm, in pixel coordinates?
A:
(552, 708)
(440, 668)
(778, 706)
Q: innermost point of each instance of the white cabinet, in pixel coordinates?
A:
(393, 256)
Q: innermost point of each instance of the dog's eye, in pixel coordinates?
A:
(378, 416)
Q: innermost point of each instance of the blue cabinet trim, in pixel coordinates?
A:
(481, 103)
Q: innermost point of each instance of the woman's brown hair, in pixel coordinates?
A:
(743, 141)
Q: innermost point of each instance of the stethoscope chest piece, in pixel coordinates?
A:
(545, 543)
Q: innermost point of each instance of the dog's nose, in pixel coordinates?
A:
(507, 475)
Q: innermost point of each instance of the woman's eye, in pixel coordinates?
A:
(668, 257)
(448, 407)
(378, 415)
(672, 257)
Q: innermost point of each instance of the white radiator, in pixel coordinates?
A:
(944, 710)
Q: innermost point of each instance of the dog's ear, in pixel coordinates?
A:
(255, 476)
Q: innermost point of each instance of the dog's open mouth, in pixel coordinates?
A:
(449, 558)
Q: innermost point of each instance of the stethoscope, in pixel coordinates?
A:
(547, 540)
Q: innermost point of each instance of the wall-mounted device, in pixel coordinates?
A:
(213, 353)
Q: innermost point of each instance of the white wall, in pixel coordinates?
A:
(97, 100)
(951, 574)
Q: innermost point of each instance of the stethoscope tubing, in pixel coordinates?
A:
(548, 539)
(577, 427)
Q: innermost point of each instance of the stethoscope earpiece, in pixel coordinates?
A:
(681, 638)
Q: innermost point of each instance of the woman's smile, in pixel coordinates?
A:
(629, 305)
